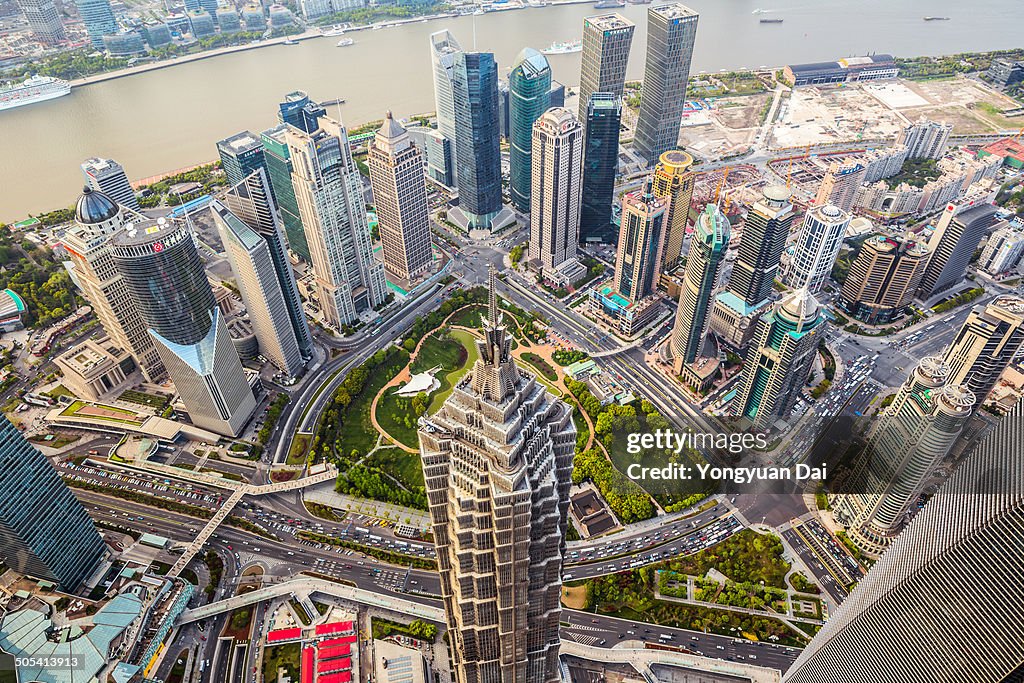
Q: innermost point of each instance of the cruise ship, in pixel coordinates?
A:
(35, 89)
(563, 48)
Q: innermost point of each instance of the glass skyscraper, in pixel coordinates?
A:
(240, 155)
(671, 30)
(606, 42)
(98, 19)
(299, 111)
(167, 281)
(254, 242)
(600, 161)
(279, 172)
(44, 531)
(477, 150)
(443, 51)
(529, 93)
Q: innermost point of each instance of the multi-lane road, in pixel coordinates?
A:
(604, 631)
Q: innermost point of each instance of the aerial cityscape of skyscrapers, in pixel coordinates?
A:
(655, 372)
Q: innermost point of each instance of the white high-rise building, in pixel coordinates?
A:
(497, 464)
(109, 177)
(443, 50)
(926, 139)
(329, 193)
(252, 259)
(817, 247)
(556, 194)
(400, 195)
(91, 267)
(1003, 251)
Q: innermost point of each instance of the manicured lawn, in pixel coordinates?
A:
(357, 432)
(449, 380)
(396, 418)
(143, 398)
(438, 350)
(468, 317)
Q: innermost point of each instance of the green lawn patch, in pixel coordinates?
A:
(143, 398)
(299, 449)
(382, 628)
(471, 317)
(438, 350)
(286, 657)
(402, 466)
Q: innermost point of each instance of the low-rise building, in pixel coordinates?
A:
(1005, 73)
(12, 311)
(591, 514)
(865, 68)
(629, 317)
(1009, 150)
(98, 369)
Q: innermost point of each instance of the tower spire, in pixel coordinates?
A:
(492, 307)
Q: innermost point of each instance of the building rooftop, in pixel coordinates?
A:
(240, 142)
(675, 10)
(533, 62)
(26, 635)
(608, 22)
(1007, 147)
(11, 303)
(94, 207)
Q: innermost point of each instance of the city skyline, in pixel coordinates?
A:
(448, 396)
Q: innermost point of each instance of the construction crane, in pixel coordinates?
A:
(721, 184)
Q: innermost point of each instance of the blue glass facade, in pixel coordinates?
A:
(299, 111)
(98, 19)
(529, 87)
(44, 530)
(279, 170)
(241, 155)
(600, 162)
(477, 151)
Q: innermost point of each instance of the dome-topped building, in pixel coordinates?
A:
(777, 366)
(800, 307)
(95, 207)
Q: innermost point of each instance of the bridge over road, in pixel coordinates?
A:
(222, 513)
(306, 586)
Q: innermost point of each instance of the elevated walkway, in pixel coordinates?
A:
(306, 586)
(225, 509)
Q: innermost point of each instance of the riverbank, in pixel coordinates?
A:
(309, 34)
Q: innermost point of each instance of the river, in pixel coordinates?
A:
(171, 118)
